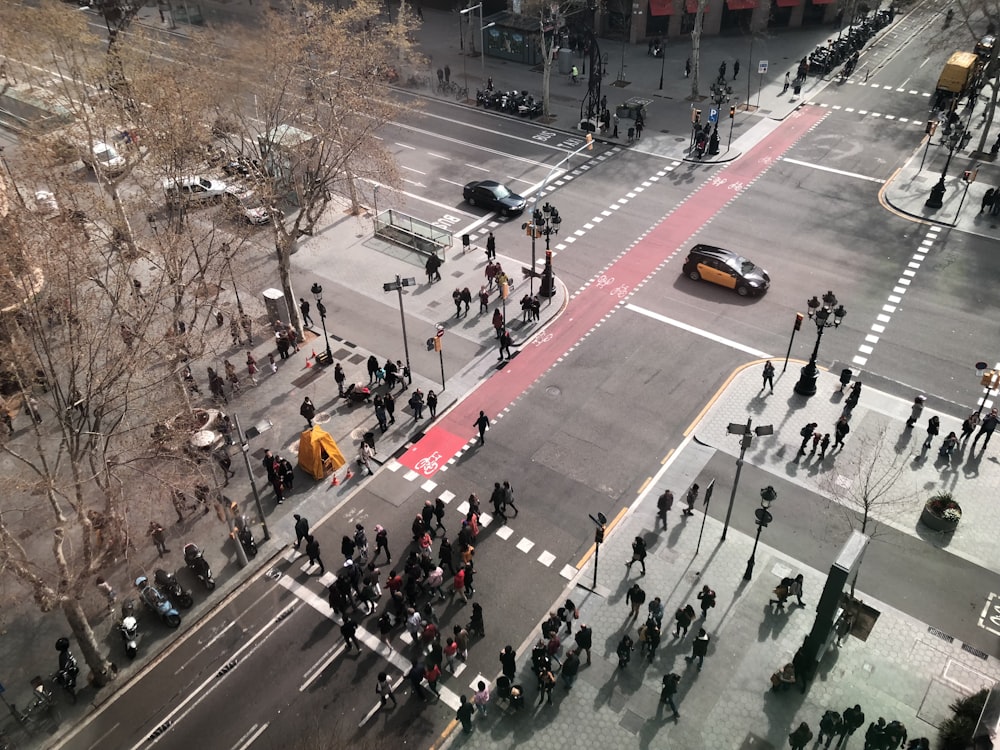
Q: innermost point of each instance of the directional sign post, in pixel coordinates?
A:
(761, 70)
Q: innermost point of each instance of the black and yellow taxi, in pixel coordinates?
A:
(726, 268)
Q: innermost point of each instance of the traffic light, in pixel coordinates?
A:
(590, 141)
(798, 321)
(695, 116)
(732, 112)
(599, 534)
(970, 175)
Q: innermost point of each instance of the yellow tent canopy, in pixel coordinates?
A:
(318, 453)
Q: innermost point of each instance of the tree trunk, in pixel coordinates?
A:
(284, 247)
(696, 49)
(102, 671)
(546, 67)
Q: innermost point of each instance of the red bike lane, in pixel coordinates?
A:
(453, 431)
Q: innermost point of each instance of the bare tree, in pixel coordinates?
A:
(867, 486)
(551, 22)
(306, 116)
(699, 17)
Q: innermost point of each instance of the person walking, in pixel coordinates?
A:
(736, 69)
(390, 407)
(683, 618)
(570, 669)
(853, 719)
(446, 555)
(669, 690)
(788, 82)
(508, 662)
(380, 415)
(432, 673)
(707, 597)
(433, 268)
(373, 367)
(508, 498)
(823, 445)
(349, 630)
(482, 423)
(465, 713)
(852, 397)
(638, 554)
(498, 322)
(699, 648)
(806, 433)
(691, 499)
(384, 689)
(109, 592)
(933, 429)
(312, 549)
(585, 640)
(969, 425)
(306, 320)
(987, 428)
(482, 698)
(840, 431)
(798, 739)
(301, 529)
(497, 500)
(663, 504)
(432, 403)
(156, 532)
(988, 198)
(382, 543)
(615, 121)
(417, 404)
(491, 247)
(768, 376)
(308, 410)
(915, 411)
(635, 598)
(506, 340)
(829, 726)
(484, 300)
(795, 589)
(546, 681)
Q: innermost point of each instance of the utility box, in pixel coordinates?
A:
(276, 306)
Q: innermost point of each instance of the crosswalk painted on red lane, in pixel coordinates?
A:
(594, 302)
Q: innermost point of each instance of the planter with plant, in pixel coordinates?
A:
(941, 513)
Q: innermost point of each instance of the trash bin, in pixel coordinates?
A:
(845, 377)
(465, 243)
(798, 88)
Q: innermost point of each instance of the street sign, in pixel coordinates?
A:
(762, 67)
(713, 115)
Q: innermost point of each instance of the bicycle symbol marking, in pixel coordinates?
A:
(543, 338)
(621, 292)
(428, 464)
(603, 281)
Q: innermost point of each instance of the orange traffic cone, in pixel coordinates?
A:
(314, 354)
(308, 364)
(349, 474)
(334, 482)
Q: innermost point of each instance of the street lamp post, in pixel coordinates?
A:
(663, 60)
(397, 286)
(819, 312)
(482, 40)
(601, 524)
(763, 518)
(245, 450)
(989, 379)
(746, 438)
(544, 222)
(317, 291)
(936, 199)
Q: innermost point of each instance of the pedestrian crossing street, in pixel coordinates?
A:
(369, 640)
(505, 533)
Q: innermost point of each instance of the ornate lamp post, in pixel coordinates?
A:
(936, 199)
(819, 312)
(764, 517)
(317, 291)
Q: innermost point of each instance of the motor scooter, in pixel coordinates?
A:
(157, 603)
(171, 587)
(197, 564)
(245, 535)
(68, 669)
(129, 628)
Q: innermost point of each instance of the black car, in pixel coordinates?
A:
(491, 194)
(726, 268)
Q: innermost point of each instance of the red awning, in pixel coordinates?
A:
(824, 2)
(741, 4)
(789, 3)
(692, 6)
(661, 7)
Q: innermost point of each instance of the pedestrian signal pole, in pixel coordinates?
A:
(601, 522)
(796, 327)
(440, 350)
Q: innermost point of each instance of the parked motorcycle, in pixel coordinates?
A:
(129, 628)
(157, 603)
(68, 669)
(198, 565)
(245, 535)
(171, 587)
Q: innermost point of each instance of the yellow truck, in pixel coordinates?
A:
(958, 78)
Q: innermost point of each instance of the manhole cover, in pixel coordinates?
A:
(553, 390)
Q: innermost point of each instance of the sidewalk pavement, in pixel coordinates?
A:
(902, 669)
